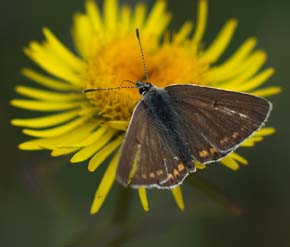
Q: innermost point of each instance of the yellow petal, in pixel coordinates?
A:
(246, 70)
(248, 143)
(200, 165)
(51, 63)
(228, 69)
(68, 140)
(74, 138)
(157, 15)
(110, 16)
(201, 22)
(230, 163)
(183, 33)
(46, 81)
(82, 34)
(63, 151)
(104, 153)
(44, 106)
(238, 158)
(124, 23)
(46, 121)
(100, 138)
(105, 185)
(118, 125)
(220, 43)
(64, 54)
(250, 84)
(268, 91)
(47, 95)
(177, 195)
(94, 16)
(60, 130)
(265, 132)
(95, 136)
(143, 198)
(139, 15)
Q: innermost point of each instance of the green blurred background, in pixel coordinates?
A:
(45, 201)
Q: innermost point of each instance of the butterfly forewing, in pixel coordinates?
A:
(220, 119)
(145, 159)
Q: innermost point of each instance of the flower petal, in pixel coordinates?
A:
(118, 125)
(265, 92)
(60, 130)
(230, 163)
(43, 106)
(94, 15)
(220, 43)
(47, 95)
(143, 198)
(47, 121)
(177, 195)
(265, 131)
(183, 33)
(46, 81)
(238, 158)
(67, 140)
(110, 17)
(100, 139)
(228, 69)
(48, 61)
(124, 23)
(82, 33)
(139, 15)
(244, 86)
(104, 153)
(247, 69)
(105, 185)
(62, 52)
(157, 15)
(201, 22)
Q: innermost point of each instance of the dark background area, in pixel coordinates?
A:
(45, 201)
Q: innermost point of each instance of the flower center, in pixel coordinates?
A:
(121, 60)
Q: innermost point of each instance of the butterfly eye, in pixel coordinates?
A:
(143, 90)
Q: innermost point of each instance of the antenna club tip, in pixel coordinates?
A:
(88, 90)
(137, 33)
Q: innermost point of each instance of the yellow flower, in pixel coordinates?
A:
(91, 127)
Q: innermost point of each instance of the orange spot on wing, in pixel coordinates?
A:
(159, 172)
(212, 150)
(175, 173)
(224, 140)
(170, 176)
(180, 167)
(235, 135)
(203, 153)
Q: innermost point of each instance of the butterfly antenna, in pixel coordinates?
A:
(89, 90)
(142, 54)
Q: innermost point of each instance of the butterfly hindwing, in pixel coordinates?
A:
(217, 120)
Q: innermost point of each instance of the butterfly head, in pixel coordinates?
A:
(143, 87)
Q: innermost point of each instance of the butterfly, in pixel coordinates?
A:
(174, 127)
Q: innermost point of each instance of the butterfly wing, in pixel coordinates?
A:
(146, 158)
(217, 121)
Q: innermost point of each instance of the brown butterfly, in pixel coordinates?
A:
(173, 127)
